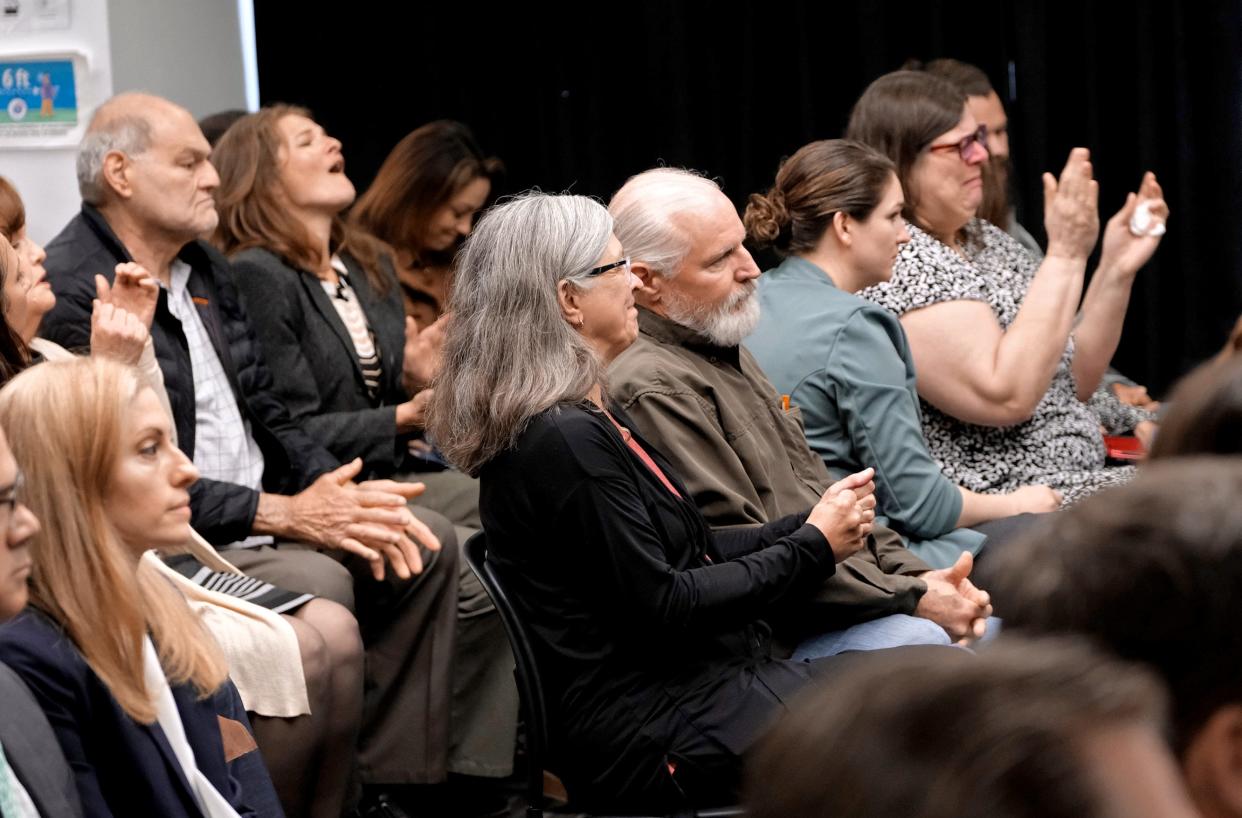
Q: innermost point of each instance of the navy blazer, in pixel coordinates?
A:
(223, 512)
(123, 768)
(314, 365)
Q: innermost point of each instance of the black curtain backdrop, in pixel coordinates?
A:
(579, 97)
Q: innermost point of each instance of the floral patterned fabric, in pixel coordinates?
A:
(1060, 445)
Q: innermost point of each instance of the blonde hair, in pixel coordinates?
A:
(64, 420)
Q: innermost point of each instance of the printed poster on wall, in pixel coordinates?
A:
(38, 101)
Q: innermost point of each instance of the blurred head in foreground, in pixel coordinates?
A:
(1028, 729)
(1152, 571)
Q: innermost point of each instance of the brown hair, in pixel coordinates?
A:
(900, 114)
(12, 211)
(969, 78)
(1152, 571)
(14, 355)
(65, 421)
(1205, 412)
(820, 180)
(420, 174)
(941, 734)
(248, 160)
(974, 83)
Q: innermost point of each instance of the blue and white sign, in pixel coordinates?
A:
(37, 95)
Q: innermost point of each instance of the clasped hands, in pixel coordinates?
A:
(845, 514)
(954, 603)
(369, 519)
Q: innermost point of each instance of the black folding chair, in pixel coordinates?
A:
(534, 709)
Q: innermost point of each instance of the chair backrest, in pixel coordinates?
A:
(534, 709)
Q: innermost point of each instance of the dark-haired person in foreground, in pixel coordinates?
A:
(1153, 572)
(1028, 729)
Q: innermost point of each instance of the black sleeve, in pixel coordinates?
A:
(623, 556)
(223, 512)
(307, 458)
(738, 541)
(69, 322)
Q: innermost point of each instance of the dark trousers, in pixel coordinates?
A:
(409, 630)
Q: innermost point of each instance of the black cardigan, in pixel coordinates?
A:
(643, 617)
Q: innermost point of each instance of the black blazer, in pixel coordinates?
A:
(312, 358)
(223, 512)
(32, 750)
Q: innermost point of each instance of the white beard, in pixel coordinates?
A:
(726, 325)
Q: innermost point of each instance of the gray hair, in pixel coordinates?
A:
(646, 210)
(509, 353)
(131, 135)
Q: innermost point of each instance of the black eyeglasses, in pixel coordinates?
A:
(963, 145)
(599, 271)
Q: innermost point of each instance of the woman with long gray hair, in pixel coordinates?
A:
(646, 622)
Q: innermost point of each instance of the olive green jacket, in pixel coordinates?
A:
(714, 415)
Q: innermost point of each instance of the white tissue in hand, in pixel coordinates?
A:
(1142, 223)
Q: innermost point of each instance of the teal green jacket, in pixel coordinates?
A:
(844, 362)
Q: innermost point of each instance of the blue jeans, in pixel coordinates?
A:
(890, 631)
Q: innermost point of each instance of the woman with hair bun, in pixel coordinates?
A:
(650, 627)
(835, 216)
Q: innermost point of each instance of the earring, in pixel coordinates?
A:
(579, 323)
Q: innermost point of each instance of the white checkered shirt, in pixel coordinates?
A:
(224, 448)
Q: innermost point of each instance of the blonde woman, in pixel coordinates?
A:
(129, 679)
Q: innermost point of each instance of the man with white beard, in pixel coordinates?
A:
(700, 398)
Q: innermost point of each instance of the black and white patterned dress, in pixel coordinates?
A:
(1060, 445)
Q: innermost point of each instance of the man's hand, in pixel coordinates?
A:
(422, 352)
(414, 527)
(116, 334)
(845, 513)
(368, 520)
(954, 603)
(133, 290)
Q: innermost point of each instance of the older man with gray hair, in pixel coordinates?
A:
(270, 497)
(702, 399)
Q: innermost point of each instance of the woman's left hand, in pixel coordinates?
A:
(116, 333)
(1123, 253)
(422, 352)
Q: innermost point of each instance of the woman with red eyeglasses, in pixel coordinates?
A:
(1005, 361)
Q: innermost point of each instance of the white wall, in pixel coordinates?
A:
(189, 51)
(44, 176)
